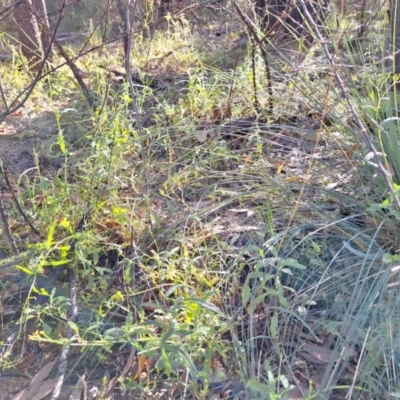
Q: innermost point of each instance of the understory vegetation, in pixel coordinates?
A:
(227, 229)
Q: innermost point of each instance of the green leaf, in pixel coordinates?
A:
(41, 291)
(170, 331)
(129, 320)
(390, 258)
(204, 304)
(274, 326)
(172, 289)
(114, 333)
(73, 326)
(167, 363)
(65, 223)
(291, 262)
(50, 235)
(256, 386)
(25, 270)
(246, 292)
(280, 294)
(258, 300)
(374, 207)
(47, 329)
(61, 141)
(55, 263)
(287, 271)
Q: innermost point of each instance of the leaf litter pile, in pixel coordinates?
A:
(235, 249)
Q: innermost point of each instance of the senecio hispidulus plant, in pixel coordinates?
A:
(303, 301)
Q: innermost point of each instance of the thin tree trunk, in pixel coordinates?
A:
(34, 40)
(40, 7)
